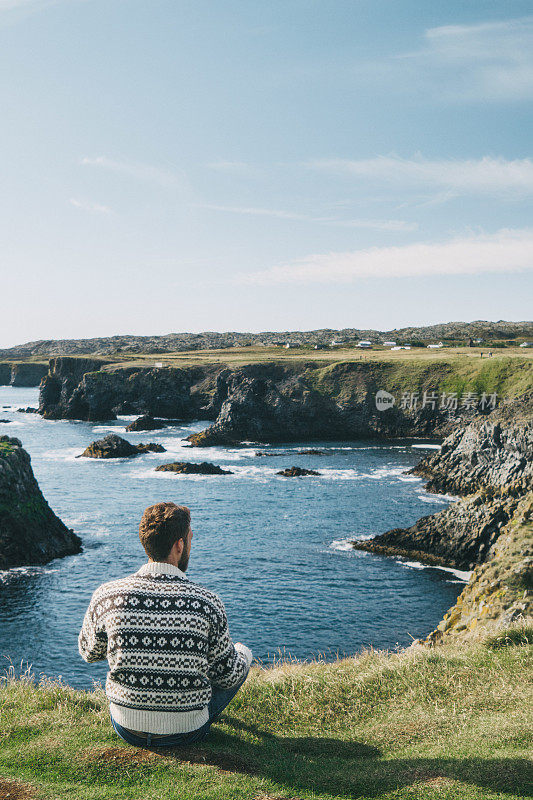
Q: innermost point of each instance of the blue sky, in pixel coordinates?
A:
(173, 166)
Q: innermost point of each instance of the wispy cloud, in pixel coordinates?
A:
(94, 208)
(500, 252)
(142, 172)
(485, 175)
(486, 61)
(396, 225)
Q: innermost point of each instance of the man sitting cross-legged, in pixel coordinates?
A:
(173, 667)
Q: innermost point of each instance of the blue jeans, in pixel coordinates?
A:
(219, 700)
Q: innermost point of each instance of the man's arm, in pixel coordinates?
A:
(92, 641)
(228, 663)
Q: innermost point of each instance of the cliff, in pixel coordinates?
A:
(277, 401)
(500, 591)
(30, 532)
(86, 389)
(490, 464)
(22, 374)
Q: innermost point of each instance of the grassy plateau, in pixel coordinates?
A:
(443, 722)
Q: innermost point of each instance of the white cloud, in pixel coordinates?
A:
(371, 224)
(484, 61)
(143, 172)
(504, 251)
(469, 176)
(95, 208)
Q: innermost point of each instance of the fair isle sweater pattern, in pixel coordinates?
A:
(167, 642)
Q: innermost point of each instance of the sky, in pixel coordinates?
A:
(173, 165)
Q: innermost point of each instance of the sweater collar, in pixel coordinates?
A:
(160, 568)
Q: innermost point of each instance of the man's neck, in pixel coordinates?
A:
(164, 561)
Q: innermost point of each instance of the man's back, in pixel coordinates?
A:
(167, 643)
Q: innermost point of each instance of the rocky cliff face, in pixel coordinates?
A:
(30, 532)
(491, 465)
(82, 389)
(494, 453)
(500, 591)
(270, 403)
(25, 374)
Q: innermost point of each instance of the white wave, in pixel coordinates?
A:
(180, 447)
(346, 545)
(427, 498)
(67, 454)
(426, 446)
(8, 574)
(109, 429)
(462, 575)
(384, 472)
(343, 545)
(410, 479)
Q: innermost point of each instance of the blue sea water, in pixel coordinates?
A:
(275, 549)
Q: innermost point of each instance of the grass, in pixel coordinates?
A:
(448, 722)
(239, 356)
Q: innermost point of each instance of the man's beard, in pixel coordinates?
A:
(183, 563)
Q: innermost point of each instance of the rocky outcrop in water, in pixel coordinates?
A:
(30, 532)
(186, 468)
(145, 423)
(297, 472)
(113, 446)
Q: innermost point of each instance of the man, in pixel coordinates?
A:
(173, 667)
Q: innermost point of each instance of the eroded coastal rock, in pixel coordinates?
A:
(145, 423)
(187, 468)
(286, 403)
(88, 389)
(500, 591)
(490, 464)
(269, 402)
(113, 446)
(297, 472)
(22, 374)
(30, 532)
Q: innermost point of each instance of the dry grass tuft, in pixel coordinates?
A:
(13, 790)
(121, 756)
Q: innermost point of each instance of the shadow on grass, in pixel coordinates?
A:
(349, 768)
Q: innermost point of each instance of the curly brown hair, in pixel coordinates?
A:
(161, 526)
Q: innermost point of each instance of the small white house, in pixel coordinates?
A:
(291, 345)
(526, 344)
(435, 346)
(389, 344)
(364, 344)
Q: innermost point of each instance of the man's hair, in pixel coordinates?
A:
(161, 526)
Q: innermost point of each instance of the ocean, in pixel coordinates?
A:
(275, 549)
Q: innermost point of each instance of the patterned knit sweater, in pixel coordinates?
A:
(167, 643)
